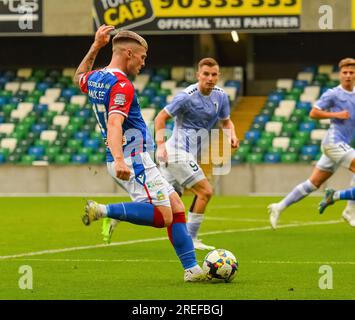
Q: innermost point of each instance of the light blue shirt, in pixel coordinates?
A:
(335, 100)
(195, 115)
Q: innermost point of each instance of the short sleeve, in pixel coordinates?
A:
(178, 105)
(224, 112)
(83, 81)
(121, 97)
(326, 101)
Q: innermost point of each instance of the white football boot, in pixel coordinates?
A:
(195, 274)
(349, 214)
(198, 245)
(275, 213)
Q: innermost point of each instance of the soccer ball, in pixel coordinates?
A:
(220, 264)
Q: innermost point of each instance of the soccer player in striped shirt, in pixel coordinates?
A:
(116, 107)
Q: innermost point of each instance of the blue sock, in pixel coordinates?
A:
(298, 193)
(137, 213)
(181, 240)
(348, 194)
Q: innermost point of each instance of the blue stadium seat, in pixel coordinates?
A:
(83, 113)
(252, 135)
(2, 119)
(68, 93)
(158, 78)
(81, 135)
(310, 150)
(2, 158)
(307, 126)
(300, 84)
(42, 86)
(3, 101)
(92, 143)
(275, 97)
(79, 158)
(233, 83)
(40, 108)
(38, 128)
(159, 101)
(38, 152)
(149, 92)
(261, 119)
(304, 105)
(273, 157)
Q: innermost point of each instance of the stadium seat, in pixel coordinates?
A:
(49, 135)
(274, 126)
(272, 157)
(79, 100)
(62, 159)
(254, 158)
(79, 158)
(289, 157)
(96, 158)
(325, 69)
(305, 76)
(7, 128)
(281, 142)
(318, 134)
(178, 73)
(28, 86)
(284, 84)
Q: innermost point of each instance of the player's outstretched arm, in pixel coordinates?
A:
(159, 124)
(316, 113)
(102, 38)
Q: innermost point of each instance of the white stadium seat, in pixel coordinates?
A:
(69, 72)
(28, 86)
(7, 128)
(53, 92)
(97, 128)
(8, 143)
(281, 142)
(190, 74)
(274, 126)
(25, 106)
(305, 76)
(324, 121)
(56, 106)
(326, 68)
(141, 81)
(24, 72)
(178, 73)
(46, 100)
(168, 84)
(315, 90)
(18, 114)
(49, 135)
(61, 120)
(284, 84)
(308, 98)
(12, 86)
(79, 99)
(148, 114)
(318, 134)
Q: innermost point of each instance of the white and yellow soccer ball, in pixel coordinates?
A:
(220, 264)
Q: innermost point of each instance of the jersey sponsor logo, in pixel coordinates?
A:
(160, 196)
(120, 99)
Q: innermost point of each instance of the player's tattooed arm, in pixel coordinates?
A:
(102, 38)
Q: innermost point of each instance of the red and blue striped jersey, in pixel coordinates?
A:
(109, 92)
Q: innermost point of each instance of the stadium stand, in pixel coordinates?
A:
(44, 117)
(282, 130)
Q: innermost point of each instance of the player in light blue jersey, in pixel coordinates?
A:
(337, 104)
(196, 111)
(115, 104)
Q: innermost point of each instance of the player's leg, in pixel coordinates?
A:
(182, 242)
(302, 190)
(203, 192)
(349, 212)
(331, 196)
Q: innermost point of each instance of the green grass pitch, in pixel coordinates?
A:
(68, 259)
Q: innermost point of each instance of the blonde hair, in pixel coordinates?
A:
(346, 62)
(128, 36)
(207, 62)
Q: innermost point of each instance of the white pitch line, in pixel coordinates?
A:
(235, 219)
(177, 261)
(291, 225)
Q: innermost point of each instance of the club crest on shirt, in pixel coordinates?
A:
(119, 99)
(160, 196)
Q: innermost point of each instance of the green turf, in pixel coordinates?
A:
(281, 264)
